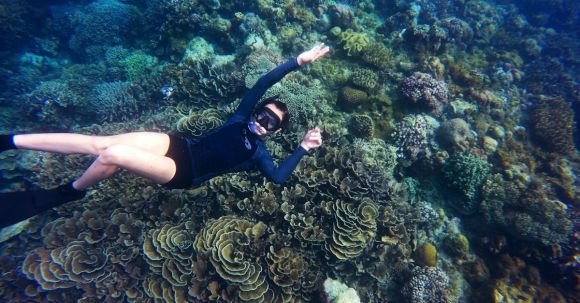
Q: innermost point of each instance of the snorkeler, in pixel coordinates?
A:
(173, 161)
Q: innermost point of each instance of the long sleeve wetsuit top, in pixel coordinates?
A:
(233, 147)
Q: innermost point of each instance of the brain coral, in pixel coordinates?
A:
(426, 91)
(553, 122)
(354, 228)
(365, 79)
(362, 126)
(350, 99)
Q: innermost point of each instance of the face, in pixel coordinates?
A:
(267, 117)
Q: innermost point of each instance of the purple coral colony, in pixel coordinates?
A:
(448, 172)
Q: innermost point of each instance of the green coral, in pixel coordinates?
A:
(365, 79)
(137, 63)
(376, 55)
(362, 126)
(353, 42)
(553, 122)
(465, 173)
(530, 214)
(351, 98)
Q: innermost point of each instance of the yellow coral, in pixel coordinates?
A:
(353, 42)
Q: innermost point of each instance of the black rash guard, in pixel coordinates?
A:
(232, 147)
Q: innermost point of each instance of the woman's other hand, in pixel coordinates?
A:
(312, 139)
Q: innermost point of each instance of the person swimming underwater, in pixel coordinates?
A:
(171, 160)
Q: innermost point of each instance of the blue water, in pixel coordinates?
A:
(447, 173)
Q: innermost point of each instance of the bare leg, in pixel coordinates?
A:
(66, 143)
(157, 168)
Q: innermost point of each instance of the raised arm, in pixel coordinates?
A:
(257, 91)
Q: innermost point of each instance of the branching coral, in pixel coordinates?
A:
(424, 90)
(465, 173)
(413, 136)
(428, 284)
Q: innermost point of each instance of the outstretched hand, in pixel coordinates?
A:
(312, 139)
(313, 54)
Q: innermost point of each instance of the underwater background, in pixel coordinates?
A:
(448, 171)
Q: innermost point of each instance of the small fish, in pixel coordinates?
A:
(167, 91)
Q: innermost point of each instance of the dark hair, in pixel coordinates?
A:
(285, 123)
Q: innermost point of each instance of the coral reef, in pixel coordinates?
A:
(553, 122)
(526, 213)
(350, 99)
(113, 101)
(424, 90)
(379, 206)
(465, 174)
(353, 42)
(413, 136)
(456, 134)
(428, 284)
(362, 126)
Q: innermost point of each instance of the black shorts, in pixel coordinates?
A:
(179, 152)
